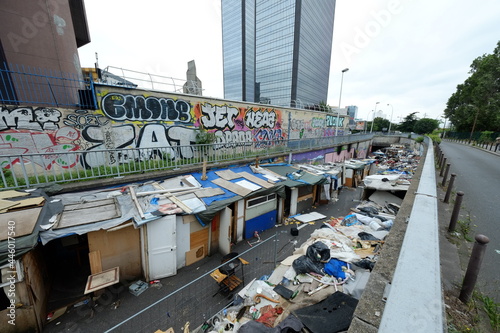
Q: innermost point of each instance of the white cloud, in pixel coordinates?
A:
(409, 53)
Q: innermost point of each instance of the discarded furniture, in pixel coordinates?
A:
(226, 277)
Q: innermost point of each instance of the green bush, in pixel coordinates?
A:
(435, 137)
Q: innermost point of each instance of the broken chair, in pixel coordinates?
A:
(226, 277)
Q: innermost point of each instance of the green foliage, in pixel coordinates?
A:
(435, 138)
(492, 310)
(420, 139)
(477, 100)
(425, 125)
(408, 123)
(379, 124)
(486, 137)
(204, 137)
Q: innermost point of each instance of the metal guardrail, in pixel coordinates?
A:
(31, 170)
(409, 308)
(20, 84)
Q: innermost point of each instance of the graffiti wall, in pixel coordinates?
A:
(159, 121)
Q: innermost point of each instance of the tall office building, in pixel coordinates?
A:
(277, 51)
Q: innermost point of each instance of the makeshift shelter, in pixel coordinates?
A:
(24, 281)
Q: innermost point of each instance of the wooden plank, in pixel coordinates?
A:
(255, 179)
(95, 262)
(12, 194)
(240, 190)
(137, 204)
(209, 192)
(91, 214)
(227, 174)
(174, 199)
(89, 204)
(24, 222)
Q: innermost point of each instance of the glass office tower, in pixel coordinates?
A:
(277, 51)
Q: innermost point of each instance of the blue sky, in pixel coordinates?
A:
(407, 53)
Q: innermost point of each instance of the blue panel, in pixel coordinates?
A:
(260, 223)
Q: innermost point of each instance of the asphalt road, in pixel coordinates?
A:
(478, 176)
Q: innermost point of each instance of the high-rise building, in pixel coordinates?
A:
(277, 52)
(352, 112)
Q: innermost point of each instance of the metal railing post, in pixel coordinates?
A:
(450, 186)
(473, 268)
(445, 174)
(443, 163)
(456, 210)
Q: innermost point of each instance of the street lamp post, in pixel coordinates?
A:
(340, 99)
(368, 116)
(373, 119)
(390, 123)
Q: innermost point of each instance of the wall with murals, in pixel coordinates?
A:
(143, 119)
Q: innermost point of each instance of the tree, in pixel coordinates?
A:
(477, 100)
(425, 126)
(408, 123)
(379, 124)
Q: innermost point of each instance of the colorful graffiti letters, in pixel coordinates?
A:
(120, 107)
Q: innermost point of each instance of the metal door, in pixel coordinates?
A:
(225, 231)
(162, 246)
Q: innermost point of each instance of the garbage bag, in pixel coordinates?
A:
(369, 210)
(318, 251)
(367, 236)
(365, 263)
(304, 264)
(334, 268)
(350, 220)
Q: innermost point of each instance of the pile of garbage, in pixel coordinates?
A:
(396, 160)
(328, 271)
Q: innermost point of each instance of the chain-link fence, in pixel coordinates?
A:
(202, 298)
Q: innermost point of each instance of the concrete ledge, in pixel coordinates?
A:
(371, 306)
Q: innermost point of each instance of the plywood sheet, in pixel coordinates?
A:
(249, 185)
(227, 174)
(232, 187)
(198, 238)
(195, 255)
(89, 212)
(209, 192)
(102, 280)
(95, 262)
(120, 248)
(255, 179)
(24, 222)
(313, 216)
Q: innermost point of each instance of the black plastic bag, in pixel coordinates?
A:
(365, 263)
(369, 210)
(318, 252)
(303, 265)
(367, 236)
